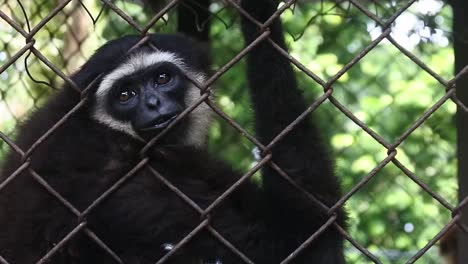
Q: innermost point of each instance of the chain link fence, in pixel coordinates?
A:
(384, 92)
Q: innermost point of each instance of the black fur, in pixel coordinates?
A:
(83, 158)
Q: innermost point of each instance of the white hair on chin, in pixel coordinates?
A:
(199, 118)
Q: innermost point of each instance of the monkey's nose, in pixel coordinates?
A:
(152, 102)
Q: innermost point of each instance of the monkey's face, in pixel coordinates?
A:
(149, 99)
(145, 94)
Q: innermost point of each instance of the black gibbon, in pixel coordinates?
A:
(136, 95)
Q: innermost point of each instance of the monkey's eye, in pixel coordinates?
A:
(163, 78)
(126, 95)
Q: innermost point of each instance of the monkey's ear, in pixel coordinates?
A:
(199, 53)
(202, 55)
(105, 59)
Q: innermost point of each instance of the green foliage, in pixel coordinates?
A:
(391, 215)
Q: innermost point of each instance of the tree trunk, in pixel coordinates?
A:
(460, 37)
(75, 35)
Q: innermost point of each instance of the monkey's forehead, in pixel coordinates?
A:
(139, 61)
(194, 53)
(118, 52)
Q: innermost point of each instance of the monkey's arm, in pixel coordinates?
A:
(277, 102)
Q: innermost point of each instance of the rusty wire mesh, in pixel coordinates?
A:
(32, 32)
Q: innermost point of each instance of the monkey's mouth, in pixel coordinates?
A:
(160, 123)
